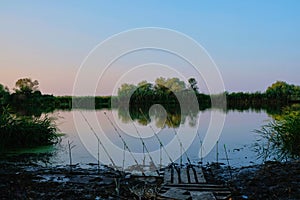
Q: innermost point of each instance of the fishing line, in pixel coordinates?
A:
(99, 141)
(124, 142)
(180, 143)
(160, 142)
(144, 145)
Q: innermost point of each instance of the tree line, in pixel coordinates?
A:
(27, 99)
(170, 90)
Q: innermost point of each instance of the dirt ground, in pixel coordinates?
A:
(27, 180)
(273, 180)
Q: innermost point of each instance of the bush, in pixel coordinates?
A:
(21, 131)
(283, 135)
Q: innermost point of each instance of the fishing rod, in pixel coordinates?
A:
(160, 142)
(201, 146)
(180, 143)
(185, 153)
(99, 141)
(144, 145)
(124, 142)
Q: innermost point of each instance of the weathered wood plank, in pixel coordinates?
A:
(200, 175)
(176, 177)
(167, 176)
(190, 183)
(215, 190)
(184, 175)
(195, 185)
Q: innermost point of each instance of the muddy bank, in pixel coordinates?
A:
(28, 180)
(24, 178)
(273, 180)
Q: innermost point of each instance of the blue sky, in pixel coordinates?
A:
(254, 43)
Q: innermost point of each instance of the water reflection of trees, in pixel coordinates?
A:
(172, 115)
(162, 115)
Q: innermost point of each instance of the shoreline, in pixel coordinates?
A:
(271, 180)
(21, 180)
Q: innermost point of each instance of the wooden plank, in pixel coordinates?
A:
(195, 185)
(167, 176)
(215, 190)
(200, 175)
(176, 177)
(202, 196)
(184, 175)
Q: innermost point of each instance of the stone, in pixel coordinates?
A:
(176, 193)
(202, 195)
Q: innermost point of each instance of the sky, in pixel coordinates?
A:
(253, 43)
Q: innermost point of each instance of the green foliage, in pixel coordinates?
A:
(4, 96)
(21, 131)
(26, 86)
(282, 91)
(278, 95)
(33, 104)
(172, 84)
(26, 128)
(28, 100)
(283, 135)
(169, 91)
(126, 90)
(88, 102)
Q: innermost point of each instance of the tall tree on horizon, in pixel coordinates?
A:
(193, 84)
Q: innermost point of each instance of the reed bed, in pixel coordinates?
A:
(24, 131)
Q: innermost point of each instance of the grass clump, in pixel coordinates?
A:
(283, 135)
(23, 131)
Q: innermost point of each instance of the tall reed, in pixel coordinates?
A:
(20, 131)
(282, 135)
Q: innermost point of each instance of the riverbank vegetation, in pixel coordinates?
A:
(23, 131)
(282, 135)
(21, 123)
(279, 94)
(27, 104)
(28, 100)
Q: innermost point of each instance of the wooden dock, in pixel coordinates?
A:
(189, 183)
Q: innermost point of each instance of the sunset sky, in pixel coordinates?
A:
(253, 43)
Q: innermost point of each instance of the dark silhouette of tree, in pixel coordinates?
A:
(4, 96)
(193, 84)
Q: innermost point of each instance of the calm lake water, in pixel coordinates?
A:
(237, 135)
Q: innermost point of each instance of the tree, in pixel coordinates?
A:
(280, 90)
(193, 84)
(4, 95)
(126, 90)
(145, 90)
(175, 84)
(3, 90)
(26, 86)
(172, 84)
